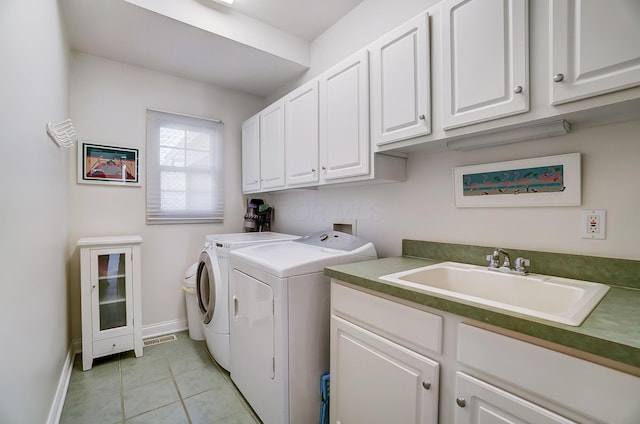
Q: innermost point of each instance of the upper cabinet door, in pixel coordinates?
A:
(272, 146)
(251, 154)
(485, 60)
(400, 76)
(302, 135)
(595, 47)
(344, 119)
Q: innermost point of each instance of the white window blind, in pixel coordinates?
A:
(184, 169)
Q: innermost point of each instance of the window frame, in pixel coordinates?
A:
(154, 169)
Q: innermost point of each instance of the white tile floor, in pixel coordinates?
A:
(174, 383)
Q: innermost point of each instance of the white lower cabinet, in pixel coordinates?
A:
(481, 403)
(378, 381)
(393, 362)
(379, 375)
(581, 390)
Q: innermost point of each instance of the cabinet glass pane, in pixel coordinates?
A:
(113, 315)
(112, 291)
(111, 265)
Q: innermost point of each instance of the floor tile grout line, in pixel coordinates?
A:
(124, 417)
(175, 383)
(226, 375)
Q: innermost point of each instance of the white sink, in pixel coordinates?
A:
(556, 299)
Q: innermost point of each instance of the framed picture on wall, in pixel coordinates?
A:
(543, 181)
(100, 164)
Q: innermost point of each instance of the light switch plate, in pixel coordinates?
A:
(593, 224)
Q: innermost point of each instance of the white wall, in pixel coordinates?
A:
(108, 105)
(365, 23)
(33, 224)
(422, 207)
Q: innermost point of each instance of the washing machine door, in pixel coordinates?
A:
(207, 275)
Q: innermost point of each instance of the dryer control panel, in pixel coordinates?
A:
(333, 240)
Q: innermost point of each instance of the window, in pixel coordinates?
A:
(184, 169)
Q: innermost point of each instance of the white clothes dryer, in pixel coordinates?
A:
(212, 286)
(280, 319)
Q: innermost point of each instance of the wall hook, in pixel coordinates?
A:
(63, 134)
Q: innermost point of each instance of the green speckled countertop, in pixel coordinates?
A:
(611, 331)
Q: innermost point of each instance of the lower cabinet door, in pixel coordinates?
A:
(376, 381)
(481, 403)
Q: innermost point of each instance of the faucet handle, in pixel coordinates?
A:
(493, 261)
(521, 263)
(507, 261)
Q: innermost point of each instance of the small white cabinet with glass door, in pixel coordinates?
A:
(110, 296)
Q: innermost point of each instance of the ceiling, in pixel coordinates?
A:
(254, 46)
(304, 18)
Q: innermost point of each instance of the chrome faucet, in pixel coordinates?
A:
(494, 263)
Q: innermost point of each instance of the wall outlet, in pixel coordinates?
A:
(593, 224)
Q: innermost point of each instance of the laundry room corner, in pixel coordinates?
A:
(108, 104)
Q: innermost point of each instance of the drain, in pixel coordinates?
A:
(158, 340)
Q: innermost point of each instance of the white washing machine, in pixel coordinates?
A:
(212, 286)
(280, 317)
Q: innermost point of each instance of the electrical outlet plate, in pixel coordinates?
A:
(593, 224)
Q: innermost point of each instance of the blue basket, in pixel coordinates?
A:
(324, 403)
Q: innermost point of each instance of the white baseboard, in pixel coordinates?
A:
(63, 384)
(162, 328)
(152, 330)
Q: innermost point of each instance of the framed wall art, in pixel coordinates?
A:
(543, 181)
(100, 164)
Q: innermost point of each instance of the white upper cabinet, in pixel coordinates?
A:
(272, 146)
(344, 119)
(302, 135)
(595, 47)
(251, 154)
(400, 78)
(485, 60)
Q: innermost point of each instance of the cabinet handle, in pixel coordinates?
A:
(235, 306)
(426, 385)
(421, 116)
(558, 77)
(517, 89)
(461, 402)
(313, 170)
(93, 287)
(324, 168)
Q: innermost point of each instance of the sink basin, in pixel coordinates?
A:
(556, 299)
